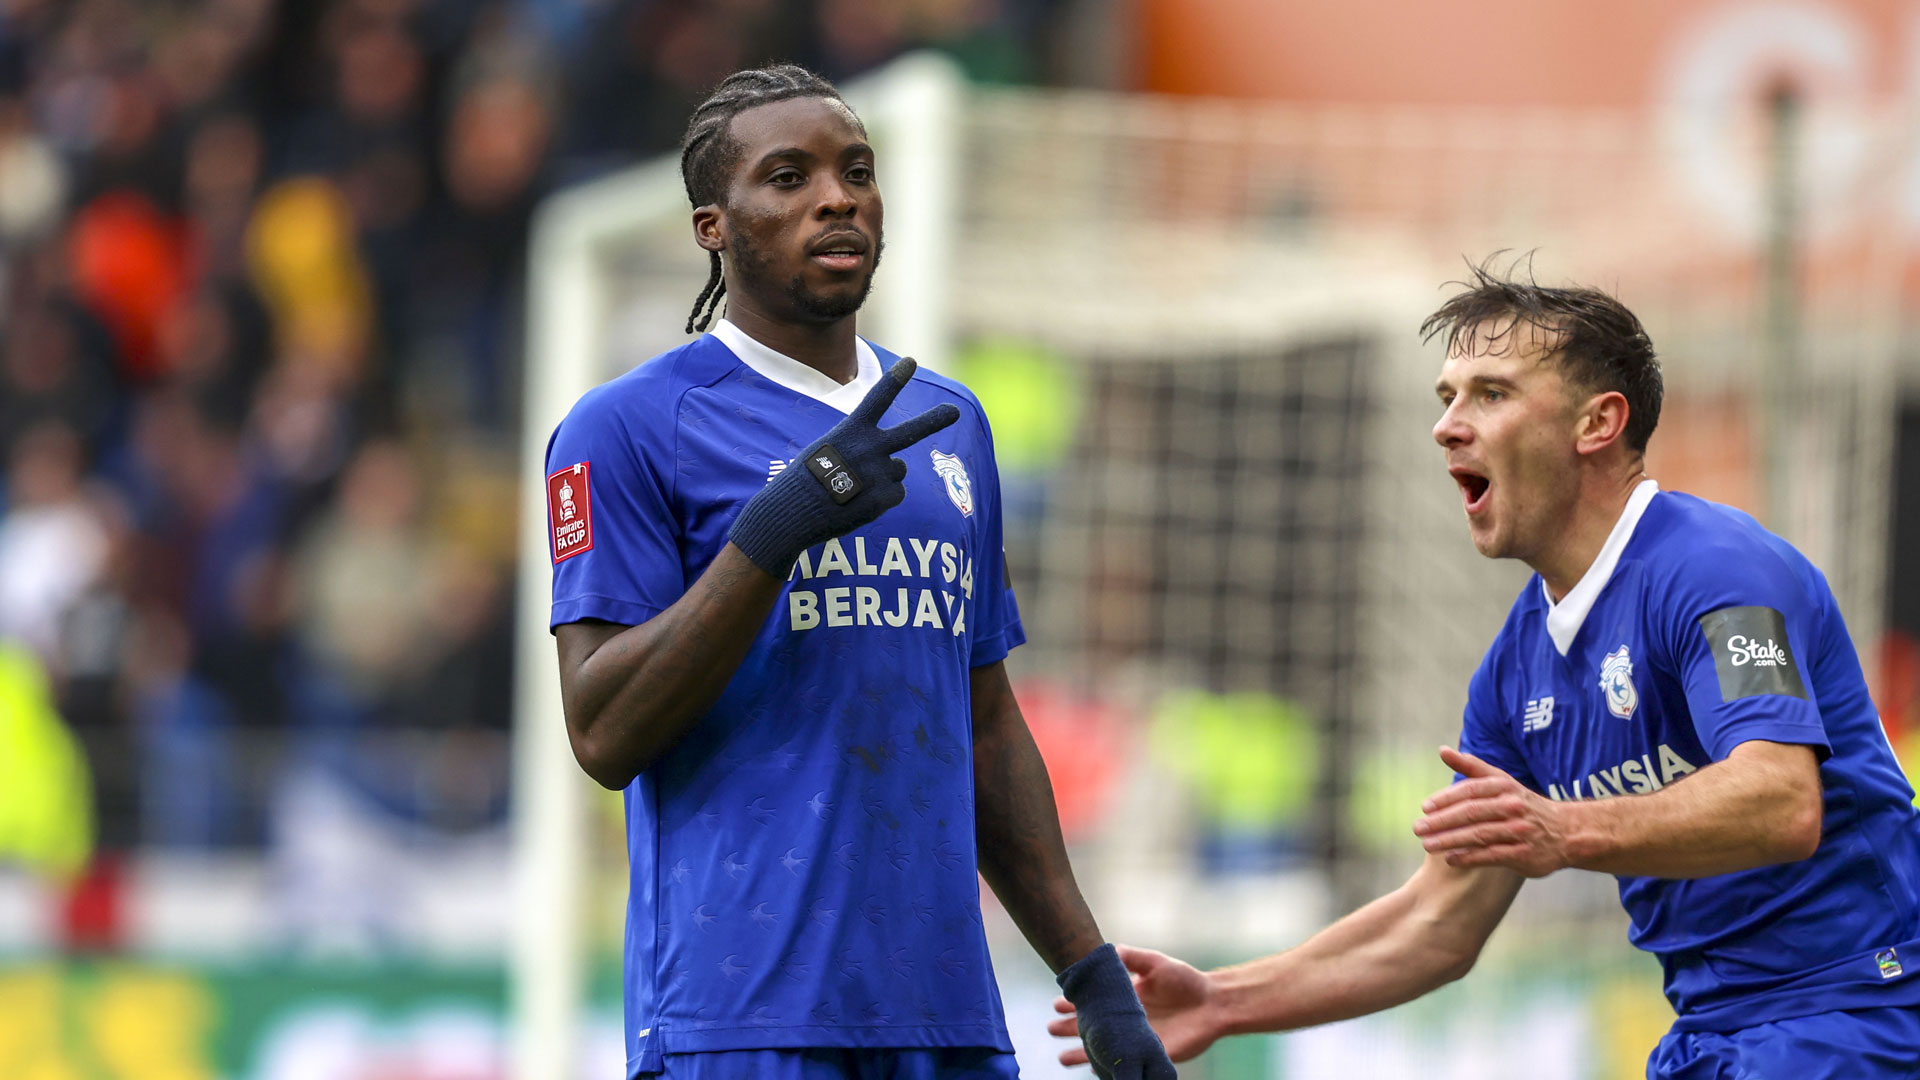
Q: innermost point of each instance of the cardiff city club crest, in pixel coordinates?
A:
(1616, 680)
(959, 486)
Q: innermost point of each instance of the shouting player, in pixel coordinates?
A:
(1673, 700)
(785, 644)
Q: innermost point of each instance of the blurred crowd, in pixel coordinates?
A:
(261, 267)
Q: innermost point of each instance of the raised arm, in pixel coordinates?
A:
(1411, 941)
(1760, 805)
(632, 692)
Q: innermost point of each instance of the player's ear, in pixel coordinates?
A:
(1603, 420)
(709, 229)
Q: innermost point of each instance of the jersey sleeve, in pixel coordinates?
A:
(1485, 731)
(1740, 630)
(625, 568)
(997, 629)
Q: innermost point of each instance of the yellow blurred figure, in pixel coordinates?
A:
(1251, 759)
(301, 254)
(1389, 784)
(46, 798)
(1031, 398)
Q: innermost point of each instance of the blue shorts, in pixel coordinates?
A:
(1864, 1044)
(840, 1063)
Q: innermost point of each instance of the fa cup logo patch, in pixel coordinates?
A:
(570, 511)
(1616, 680)
(959, 486)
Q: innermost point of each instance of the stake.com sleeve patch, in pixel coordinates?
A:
(1749, 646)
(570, 511)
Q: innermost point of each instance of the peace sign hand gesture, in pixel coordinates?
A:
(845, 480)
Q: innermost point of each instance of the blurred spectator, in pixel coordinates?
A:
(52, 544)
(214, 344)
(129, 268)
(224, 159)
(46, 819)
(33, 180)
(189, 783)
(494, 146)
(366, 581)
(54, 366)
(469, 657)
(301, 251)
(261, 268)
(466, 325)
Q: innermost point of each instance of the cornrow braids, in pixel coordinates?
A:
(708, 153)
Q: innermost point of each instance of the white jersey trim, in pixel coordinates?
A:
(1565, 618)
(783, 370)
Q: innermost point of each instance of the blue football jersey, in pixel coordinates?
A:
(802, 864)
(1694, 631)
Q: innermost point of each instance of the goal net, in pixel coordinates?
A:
(1247, 586)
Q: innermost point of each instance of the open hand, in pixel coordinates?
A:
(1178, 999)
(1491, 819)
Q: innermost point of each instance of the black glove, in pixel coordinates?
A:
(840, 483)
(1113, 1025)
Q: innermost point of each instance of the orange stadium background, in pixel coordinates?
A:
(1717, 59)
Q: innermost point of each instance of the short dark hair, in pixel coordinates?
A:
(1599, 344)
(708, 152)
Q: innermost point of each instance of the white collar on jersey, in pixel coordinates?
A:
(1565, 618)
(784, 370)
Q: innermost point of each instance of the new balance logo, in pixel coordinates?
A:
(775, 468)
(1538, 715)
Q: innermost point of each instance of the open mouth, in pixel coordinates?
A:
(1473, 488)
(845, 251)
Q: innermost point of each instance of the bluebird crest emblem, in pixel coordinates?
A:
(1616, 681)
(959, 485)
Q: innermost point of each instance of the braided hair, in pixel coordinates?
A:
(708, 153)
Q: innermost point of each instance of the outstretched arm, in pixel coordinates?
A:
(1760, 805)
(1411, 941)
(1017, 827)
(1407, 943)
